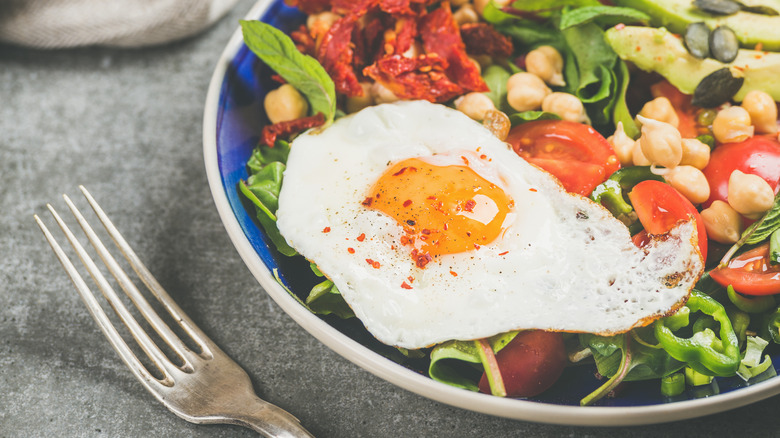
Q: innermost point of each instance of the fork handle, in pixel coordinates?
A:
(271, 421)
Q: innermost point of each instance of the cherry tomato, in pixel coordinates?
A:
(686, 113)
(758, 155)
(530, 363)
(660, 207)
(750, 273)
(573, 152)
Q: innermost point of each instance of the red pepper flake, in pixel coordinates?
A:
(504, 253)
(638, 48)
(403, 169)
(422, 260)
(620, 26)
(368, 201)
(453, 273)
(373, 264)
(326, 230)
(351, 250)
(431, 198)
(407, 203)
(426, 231)
(469, 206)
(405, 285)
(532, 190)
(483, 156)
(446, 226)
(361, 237)
(465, 160)
(476, 246)
(410, 278)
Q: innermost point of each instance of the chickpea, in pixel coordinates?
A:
(637, 156)
(749, 194)
(498, 123)
(465, 14)
(723, 223)
(319, 24)
(567, 106)
(547, 63)
(661, 142)
(763, 111)
(623, 145)
(695, 153)
(660, 109)
(284, 104)
(474, 105)
(732, 124)
(357, 103)
(525, 91)
(479, 5)
(689, 181)
(382, 94)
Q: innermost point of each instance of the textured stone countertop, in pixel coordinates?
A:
(127, 124)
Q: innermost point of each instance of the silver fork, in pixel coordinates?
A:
(208, 387)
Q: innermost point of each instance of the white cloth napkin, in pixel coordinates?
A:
(122, 23)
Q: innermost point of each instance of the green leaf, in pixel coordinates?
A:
(541, 5)
(301, 71)
(594, 61)
(620, 113)
(325, 299)
(604, 16)
(761, 230)
(646, 362)
(496, 77)
(530, 34)
(447, 361)
(531, 116)
(774, 247)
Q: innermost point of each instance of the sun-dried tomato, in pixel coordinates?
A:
(309, 6)
(440, 35)
(414, 78)
(285, 129)
(484, 39)
(304, 42)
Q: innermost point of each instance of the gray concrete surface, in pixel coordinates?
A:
(127, 124)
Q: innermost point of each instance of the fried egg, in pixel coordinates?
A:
(433, 230)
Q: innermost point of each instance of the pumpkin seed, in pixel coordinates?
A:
(718, 7)
(716, 88)
(697, 39)
(724, 44)
(760, 9)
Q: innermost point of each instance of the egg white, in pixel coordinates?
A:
(562, 263)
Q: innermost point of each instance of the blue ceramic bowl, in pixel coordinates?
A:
(233, 120)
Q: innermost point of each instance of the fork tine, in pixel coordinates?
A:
(108, 329)
(151, 316)
(203, 341)
(143, 339)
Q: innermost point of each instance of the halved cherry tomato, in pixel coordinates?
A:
(530, 363)
(758, 155)
(660, 207)
(750, 273)
(686, 113)
(573, 152)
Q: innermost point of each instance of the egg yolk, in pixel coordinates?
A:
(443, 209)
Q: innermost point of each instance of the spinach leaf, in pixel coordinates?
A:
(301, 71)
(531, 116)
(646, 362)
(604, 16)
(496, 77)
(620, 112)
(446, 358)
(543, 5)
(325, 299)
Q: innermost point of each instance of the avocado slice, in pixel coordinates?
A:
(750, 28)
(658, 50)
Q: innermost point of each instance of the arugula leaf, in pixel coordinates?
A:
(604, 16)
(301, 71)
(646, 362)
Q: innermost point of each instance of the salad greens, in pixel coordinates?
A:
(717, 333)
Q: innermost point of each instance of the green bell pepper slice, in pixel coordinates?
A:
(613, 192)
(704, 352)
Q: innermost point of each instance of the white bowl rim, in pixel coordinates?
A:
(408, 379)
